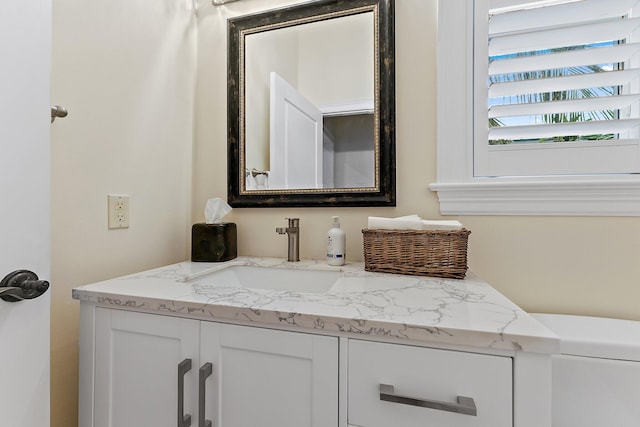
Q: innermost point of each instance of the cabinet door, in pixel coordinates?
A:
(423, 386)
(136, 368)
(269, 378)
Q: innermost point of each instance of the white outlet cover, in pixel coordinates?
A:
(118, 211)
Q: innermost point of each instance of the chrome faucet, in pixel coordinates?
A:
(293, 232)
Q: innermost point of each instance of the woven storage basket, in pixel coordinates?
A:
(438, 253)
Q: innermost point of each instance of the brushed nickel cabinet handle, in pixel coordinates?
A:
(205, 371)
(184, 420)
(464, 405)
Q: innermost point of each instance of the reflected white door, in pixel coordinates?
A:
(295, 138)
(25, 51)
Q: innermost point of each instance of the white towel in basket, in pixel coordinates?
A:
(411, 222)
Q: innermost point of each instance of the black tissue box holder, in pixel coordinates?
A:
(214, 242)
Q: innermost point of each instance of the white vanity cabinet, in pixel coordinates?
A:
(405, 386)
(141, 369)
(376, 350)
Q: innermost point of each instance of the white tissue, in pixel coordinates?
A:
(411, 222)
(215, 210)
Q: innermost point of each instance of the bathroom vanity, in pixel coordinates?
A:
(264, 342)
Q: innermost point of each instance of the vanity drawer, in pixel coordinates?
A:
(428, 378)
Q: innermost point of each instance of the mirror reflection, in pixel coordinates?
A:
(309, 105)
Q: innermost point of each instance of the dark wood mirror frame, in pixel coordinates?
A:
(384, 193)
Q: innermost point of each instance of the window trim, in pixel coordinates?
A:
(459, 192)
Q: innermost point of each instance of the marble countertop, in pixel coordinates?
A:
(424, 309)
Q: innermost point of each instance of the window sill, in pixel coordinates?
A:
(567, 197)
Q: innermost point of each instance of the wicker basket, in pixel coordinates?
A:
(438, 253)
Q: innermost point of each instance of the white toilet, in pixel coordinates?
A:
(596, 378)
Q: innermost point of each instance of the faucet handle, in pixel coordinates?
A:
(293, 222)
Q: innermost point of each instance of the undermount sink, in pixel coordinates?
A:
(277, 279)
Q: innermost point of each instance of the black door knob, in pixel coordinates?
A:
(20, 285)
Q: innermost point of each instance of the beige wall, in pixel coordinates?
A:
(575, 265)
(415, 136)
(348, 76)
(125, 70)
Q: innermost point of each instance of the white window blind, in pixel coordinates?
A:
(556, 87)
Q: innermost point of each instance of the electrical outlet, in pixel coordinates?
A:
(118, 211)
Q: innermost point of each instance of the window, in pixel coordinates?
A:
(548, 93)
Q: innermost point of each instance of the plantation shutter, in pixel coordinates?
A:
(559, 81)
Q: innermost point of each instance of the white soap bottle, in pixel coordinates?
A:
(336, 243)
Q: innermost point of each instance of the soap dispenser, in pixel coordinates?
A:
(336, 243)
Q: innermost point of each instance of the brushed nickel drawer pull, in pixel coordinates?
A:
(465, 405)
(205, 371)
(184, 420)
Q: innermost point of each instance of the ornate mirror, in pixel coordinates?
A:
(311, 105)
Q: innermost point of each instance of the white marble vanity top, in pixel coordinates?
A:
(456, 312)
